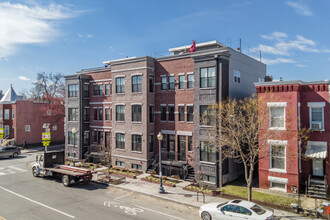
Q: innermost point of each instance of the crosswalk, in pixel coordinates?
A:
(7, 170)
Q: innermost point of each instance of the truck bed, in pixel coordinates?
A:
(67, 170)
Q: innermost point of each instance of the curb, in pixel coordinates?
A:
(155, 196)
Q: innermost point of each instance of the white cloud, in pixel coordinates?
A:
(24, 78)
(89, 36)
(277, 61)
(85, 36)
(283, 46)
(24, 24)
(112, 49)
(300, 8)
(300, 65)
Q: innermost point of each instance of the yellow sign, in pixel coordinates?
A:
(46, 143)
(1, 132)
(46, 136)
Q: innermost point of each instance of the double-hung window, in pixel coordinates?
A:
(206, 115)
(151, 84)
(100, 114)
(120, 85)
(120, 112)
(95, 114)
(100, 89)
(171, 83)
(182, 82)
(136, 113)
(237, 76)
(277, 155)
(207, 152)
(136, 142)
(171, 113)
(277, 115)
(120, 141)
(86, 138)
(95, 90)
(151, 143)
(107, 89)
(190, 83)
(107, 114)
(73, 90)
(181, 113)
(190, 113)
(163, 113)
(86, 90)
(73, 114)
(207, 77)
(86, 114)
(163, 84)
(151, 113)
(316, 115)
(136, 83)
(6, 114)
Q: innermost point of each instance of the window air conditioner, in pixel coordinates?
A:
(316, 125)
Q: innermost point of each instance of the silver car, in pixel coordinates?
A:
(9, 151)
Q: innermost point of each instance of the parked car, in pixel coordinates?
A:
(9, 151)
(235, 209)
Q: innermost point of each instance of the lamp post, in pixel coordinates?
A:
(160, 138)
(74, 131)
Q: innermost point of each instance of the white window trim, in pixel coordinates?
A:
(277, 104)
(278, 180)
(28, 129)
(136, 74)
(120, 76)
(312, 105)
(136, 103)
(277, 143)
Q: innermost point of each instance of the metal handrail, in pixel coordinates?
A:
(203, 194)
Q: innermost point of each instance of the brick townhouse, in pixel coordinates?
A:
(291, 167)
(23, 120)
(123, 106)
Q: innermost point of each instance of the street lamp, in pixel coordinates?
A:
(74, 131)
(160, 138)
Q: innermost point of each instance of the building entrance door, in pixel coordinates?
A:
(318, 170)
(107, 140)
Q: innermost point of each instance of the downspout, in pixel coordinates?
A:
(218, 86)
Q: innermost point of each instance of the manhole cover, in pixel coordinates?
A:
(187, 195)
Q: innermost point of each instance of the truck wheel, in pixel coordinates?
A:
(66, 180)
(35, 172)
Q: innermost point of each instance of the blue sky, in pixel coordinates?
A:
(69, 35)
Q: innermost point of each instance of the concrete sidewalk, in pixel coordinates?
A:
(179, 195)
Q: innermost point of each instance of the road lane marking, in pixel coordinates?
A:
(162, 213)
(46, 206)
(18, 169)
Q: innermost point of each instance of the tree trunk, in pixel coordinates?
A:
(249, 186)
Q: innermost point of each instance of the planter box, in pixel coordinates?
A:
(157, 182)
(212, 193)
(123, 175)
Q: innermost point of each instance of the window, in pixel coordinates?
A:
(136, 142)
(181, 113)
(136, 83)
(277, 117)
(242, 210)
(207, 152)
(27, 128)
(107, 114)
(86, 114)
(95, 90)
(151, 84)
(208, 178)
(6, 114)
(277, 160)
(182, 82)
(1, 112)
(151, 143)
(107, 89)
(120, 85)
(190, 113)
(136, 112)
(190, 83)
(73, 114)
(120, 112)
(163, 113)
(95, 114)
(86, 137)
(163, 143)
(72, 139)
(73, 90)
(151, 113)
(316, 115)
(207, 77)
(136, 166)
(100, 114)
(206, 113)
(7, 128)
(120, 163)
(95, 136)
(190, 143)
(100, 137)
(86, 90)
(170, 113)
(13, 114)
(48, 112)
(280, 186)
(120, 141)
(54, 127)
(171, 83)
(228, 208)
(237, 76)
(100, 89)
(163, 86)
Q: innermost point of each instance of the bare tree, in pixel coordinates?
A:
(239, 132)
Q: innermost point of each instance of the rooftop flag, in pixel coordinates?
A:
(193, 47)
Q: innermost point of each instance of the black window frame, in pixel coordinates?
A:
(120, 116)
(163, 115)
(190, 113)
(190, 144)
(171, 83)
(171, 115)
(208, 81)
(73, 114)
(136, 84)
(151, 143)
(120, 85)
(136, 142)
(95, 114)
(100, 114)
(181, 113)
(207, 152)
(72, 90)
(95, 90)
(86, 90)
(136, 113)
(100, 87)
(163, 83)
(151, 84)
(120, 144)
(86, 114)
(107, 114)
(151, 114)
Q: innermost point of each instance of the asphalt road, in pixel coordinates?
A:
(23, 196)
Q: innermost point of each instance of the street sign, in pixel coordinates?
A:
(1, 132)
(46, 143)
(46, 136)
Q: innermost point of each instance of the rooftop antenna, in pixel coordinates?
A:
(260, 55)
(240, 46)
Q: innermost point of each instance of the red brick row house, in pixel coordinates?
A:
(291, 165)
(23, 120)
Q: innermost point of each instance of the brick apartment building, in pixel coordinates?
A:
(23, 120)
(124, 105)
(294, 168)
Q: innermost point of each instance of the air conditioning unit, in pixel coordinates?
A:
(316, 125)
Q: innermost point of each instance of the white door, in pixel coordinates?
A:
(318, 167)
